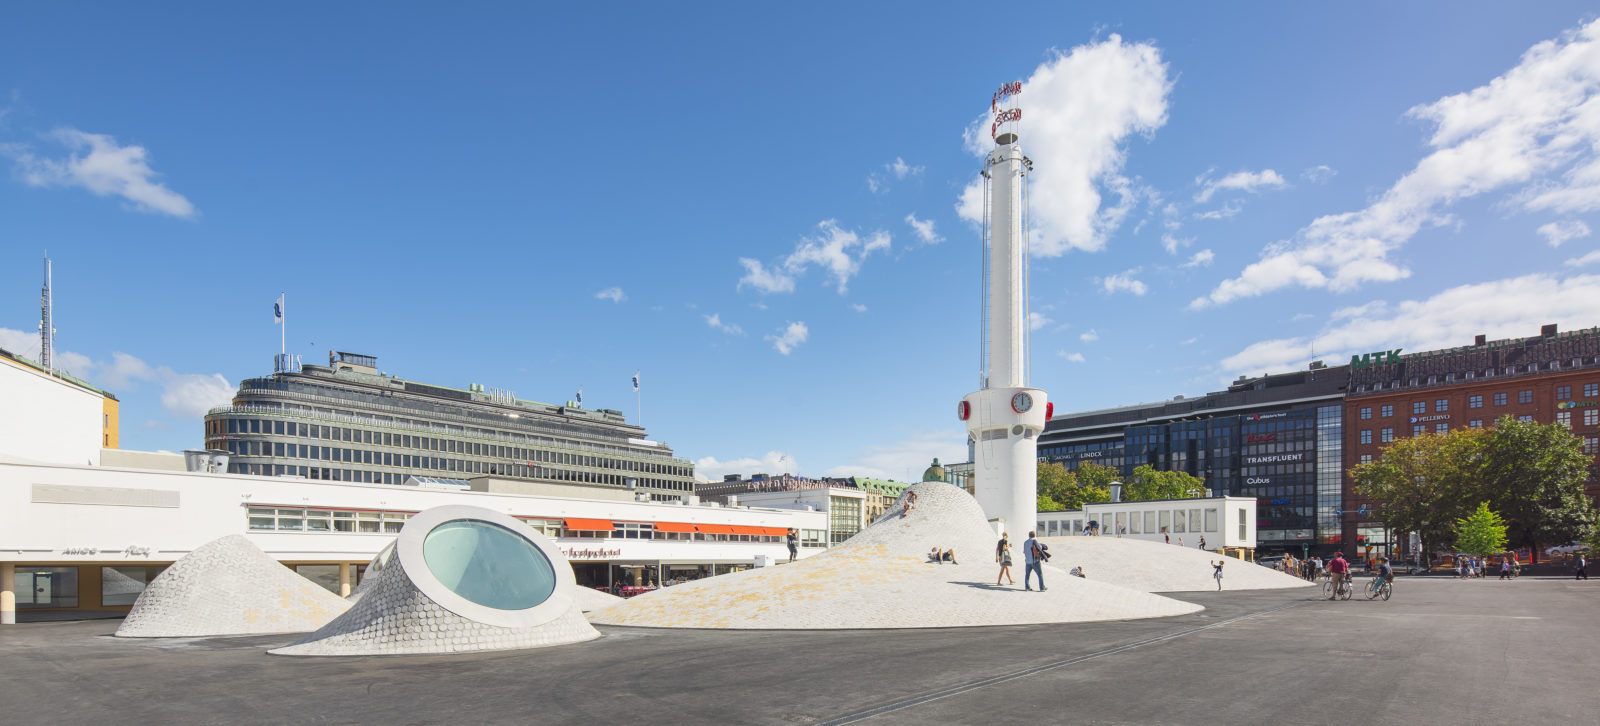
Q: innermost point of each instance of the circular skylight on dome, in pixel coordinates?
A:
(488, 564)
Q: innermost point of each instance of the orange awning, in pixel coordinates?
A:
(774, 531)
(715, 528)
(743, 529)
(588, 524)
(674, 527)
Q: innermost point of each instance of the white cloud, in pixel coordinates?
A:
(614, 294)
(1514, 307)
(1227, 210)
(1078, 110)
(710, 469)
(1112, 284)
(106, 169)
(1172, 242)
(1037, 320)
(1071, 357)
(905, 459)
(789, 338)
(191, 395)
(1588, 259)
(1557, 232)
(923, 229)
(1537, 125)
(836, 250)
(858, 307)
(1244, 181)
(1318, 174)
(182, 394)
(1202, 258)
(763, 279)
(1089, 337)
(715, 321)
(1188, 341)
(898, 169)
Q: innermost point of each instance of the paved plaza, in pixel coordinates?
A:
(1442, 651)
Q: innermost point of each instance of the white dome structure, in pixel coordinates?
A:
(460, 579)
(229, 587)
(1158, 567)
(370, 575)
(882, 578)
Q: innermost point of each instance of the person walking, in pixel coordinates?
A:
(1002, 555)
(1580, 566)
(1505, 568)
(1202, 541)
(1216, 566)
(1033, 555)
(1166, 536)
(794, 543)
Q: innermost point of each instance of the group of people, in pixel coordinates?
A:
(1034, 555)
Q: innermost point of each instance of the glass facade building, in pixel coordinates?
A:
(349, 422)
(1276, 438)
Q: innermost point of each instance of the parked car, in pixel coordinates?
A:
(1567, 549)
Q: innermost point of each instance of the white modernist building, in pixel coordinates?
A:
(88, 537)
(1222, 522)
(1005, 417)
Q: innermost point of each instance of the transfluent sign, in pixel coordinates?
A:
(1380, 358)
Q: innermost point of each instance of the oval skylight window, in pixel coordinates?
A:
(488, 564)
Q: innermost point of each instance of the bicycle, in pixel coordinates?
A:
(1345, 589)
(1379, 587)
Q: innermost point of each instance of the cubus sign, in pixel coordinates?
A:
(1380, 358)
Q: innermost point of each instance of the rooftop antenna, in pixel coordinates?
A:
(47, 328)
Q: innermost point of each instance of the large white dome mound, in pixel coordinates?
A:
(458, 579)
(229, 587)
(881, 578)
(1158, 567)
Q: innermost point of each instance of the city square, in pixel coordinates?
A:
(1151, 488)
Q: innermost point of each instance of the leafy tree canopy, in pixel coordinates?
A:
(1421, 484)
(1067, 490)
(1148, 483)
(1481, 533)
(1533, 474)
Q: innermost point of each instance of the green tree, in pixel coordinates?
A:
(1091, 473)
(1148, 483)
(1067, 490)
(1481, 533)
(1533, 473)
(1421, 484)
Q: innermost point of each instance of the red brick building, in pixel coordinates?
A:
(1551, 377)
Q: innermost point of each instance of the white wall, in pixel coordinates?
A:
(47, 419)
(1225, 533)
(209, 506)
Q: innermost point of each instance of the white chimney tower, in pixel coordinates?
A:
(1005, 417)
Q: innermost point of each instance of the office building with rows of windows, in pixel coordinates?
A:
(1553, 377)
(350, 422)
(1275, 438)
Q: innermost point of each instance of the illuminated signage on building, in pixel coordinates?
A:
(1379, 358)
(1425, 419)
(1275, 458)
(1253, 438)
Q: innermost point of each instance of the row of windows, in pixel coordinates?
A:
(298, 519)
(1474, 401)
(1591, 417)
(443, 445)
(1511, 370)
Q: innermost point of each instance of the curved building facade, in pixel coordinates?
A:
(349, 422)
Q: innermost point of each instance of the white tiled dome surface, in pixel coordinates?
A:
(229, 587)
(1160, 567)
(393, 617)
(881, 579)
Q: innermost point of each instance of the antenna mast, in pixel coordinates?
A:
(47, 329)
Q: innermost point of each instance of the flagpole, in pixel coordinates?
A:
(283, 330)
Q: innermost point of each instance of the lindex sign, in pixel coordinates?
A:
(1380, 358)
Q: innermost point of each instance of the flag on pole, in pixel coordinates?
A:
(636, 382)
(277, 311)
(580, 395)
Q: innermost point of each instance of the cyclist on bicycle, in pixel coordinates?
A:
(1338, 569)
(1385, 573)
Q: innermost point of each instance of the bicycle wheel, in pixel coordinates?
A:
(1327, 589)
(1386, 590)
(1349, 589)
(1372, 589)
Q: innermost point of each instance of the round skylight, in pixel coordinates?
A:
(488, 564)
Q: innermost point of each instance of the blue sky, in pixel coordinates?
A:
(762, 208)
